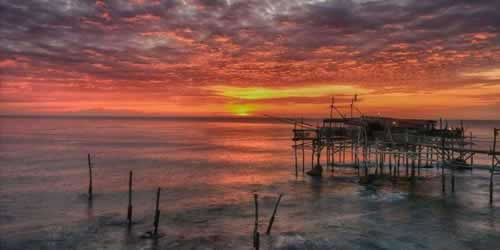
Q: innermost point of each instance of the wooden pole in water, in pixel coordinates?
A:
(157, 213)
(407, 139)
(271, 221)
(90, 177)
(453, 165)
(493, 163)
(407, 163)
(256, 236)
(382, 162)
(344, 149)
(333, 157)
(419, 158)
(399, 164)
(427, 156)
(295, 149)
(129, 211)
(312, 156)
(390, 162)
(303, 150)
(453, 178)
(472, 156)
(413, 170)
(443, 178)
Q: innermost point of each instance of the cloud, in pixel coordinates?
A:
(492, 74)
(173, 46)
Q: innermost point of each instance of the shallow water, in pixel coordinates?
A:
(208, 171)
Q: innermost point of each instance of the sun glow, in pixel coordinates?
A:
(241, 109)
(261, 93)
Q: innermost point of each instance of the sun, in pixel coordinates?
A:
(241, 109)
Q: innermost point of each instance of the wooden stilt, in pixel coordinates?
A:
(407, 163)
(333, 157)
(271, 221)
(382, 162)
(413, 170)
(419, 159)
(493, 163)
(443, 178)
(312, 156)
(390, 163)
(399, 164)
(472, 156)
(90, 192)
(343, 151)
(129, 210)
(157, 213)
(256, 235)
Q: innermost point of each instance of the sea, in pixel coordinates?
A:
(208, 170)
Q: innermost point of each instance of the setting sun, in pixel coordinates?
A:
(241, 109)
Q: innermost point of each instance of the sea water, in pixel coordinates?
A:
(208, 170)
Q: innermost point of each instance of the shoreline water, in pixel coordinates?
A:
(208, 173)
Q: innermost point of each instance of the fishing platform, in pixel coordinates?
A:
(381, 146)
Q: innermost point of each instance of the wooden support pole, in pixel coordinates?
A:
(295, 155)
(407, 163)
(493, 163)
(333, 157)
(157, 213)
(343, 151)
(382, 163)
(390, 162)
(453, 178)
(427, 156)
(399, 164)
(453, 165)
(129, 210)
(90, 177)
(352, 150)
(312, 155)
(271, 220)
(413, 170)
(256, 235)
(369, 150)
(407, 139)
(419, 155)
(303, 156)
(472, 156)
(443, 178)
(327, 156)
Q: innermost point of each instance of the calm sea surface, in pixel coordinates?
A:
(208, 171)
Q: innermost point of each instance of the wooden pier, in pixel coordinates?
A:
(382, 145)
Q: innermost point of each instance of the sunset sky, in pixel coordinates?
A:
(409, 58)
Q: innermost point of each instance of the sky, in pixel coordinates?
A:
(406, 58)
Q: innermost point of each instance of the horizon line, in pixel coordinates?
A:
(170, 117)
